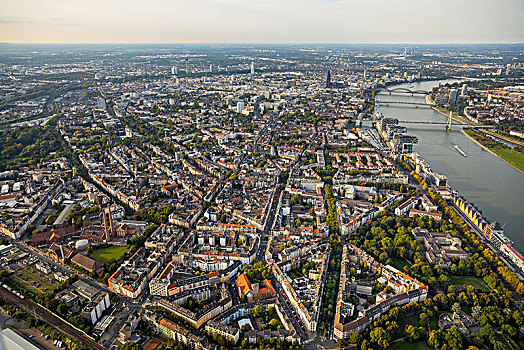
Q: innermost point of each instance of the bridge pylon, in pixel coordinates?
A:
(448, 127)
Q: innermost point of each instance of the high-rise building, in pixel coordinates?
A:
(464, 90)
(453, 96)
(174, 70)
(328, 79)
(365, 73)
(101, 103)
(252, 68)
(240, 106)
(211, 68)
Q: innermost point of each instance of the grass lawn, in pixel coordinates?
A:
(467, 309)
(411, 319)
(34, 280)
(433, 323)
(511, 156)
(105, 254)
(466, 280)
(405, 345)
(399, 264)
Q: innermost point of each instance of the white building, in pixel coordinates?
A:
(240, 107)
(101, 103)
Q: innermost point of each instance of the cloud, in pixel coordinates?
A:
(17, 20)
(352, 21)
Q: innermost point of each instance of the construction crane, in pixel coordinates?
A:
(489, 86)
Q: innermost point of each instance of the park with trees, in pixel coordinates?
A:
(481, 285)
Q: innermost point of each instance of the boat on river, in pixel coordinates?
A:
(459, 150)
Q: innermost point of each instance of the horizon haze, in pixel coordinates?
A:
(262, 21)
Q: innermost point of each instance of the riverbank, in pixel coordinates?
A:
(510, 156)
(494, 186)
(503, 137)
(457, 118)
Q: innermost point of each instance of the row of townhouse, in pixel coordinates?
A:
(198, 318)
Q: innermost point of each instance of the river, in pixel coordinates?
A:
(494, 186)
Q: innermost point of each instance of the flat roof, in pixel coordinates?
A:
(9, 340)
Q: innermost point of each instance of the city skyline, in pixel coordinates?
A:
(263, 21)
(255, 196)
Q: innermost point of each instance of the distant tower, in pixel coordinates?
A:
(102, 209)
(187, 66)
(101, 103)
(464, 90)
(365, 73)
(111, 225)
(328, 79)
(252, 68)
(448, 127)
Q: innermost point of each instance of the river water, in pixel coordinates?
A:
(494, 186)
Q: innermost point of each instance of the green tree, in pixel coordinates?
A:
(274, 323)
(424, 321)
(476, 311)
(411, 333)
(380, 337)
(131, 346)
(354, 338)
(456, 308)
(256, 311)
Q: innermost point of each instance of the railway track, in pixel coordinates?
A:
(64, 327)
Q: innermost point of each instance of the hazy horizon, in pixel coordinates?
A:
(400, 44)
(262, 22)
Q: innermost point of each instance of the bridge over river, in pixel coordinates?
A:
(387, 103)
(444, 123)
(493, 185)
(402, 90)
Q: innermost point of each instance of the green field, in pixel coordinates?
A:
(399, 264)
(412, 319)
(34, 280)
(504, 152)
(105, 254)
(433, 323)
(477, 282)
(405, 345)
(511, 156)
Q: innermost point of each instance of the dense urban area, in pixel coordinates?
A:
(252, 197)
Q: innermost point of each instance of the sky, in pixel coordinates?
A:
(262, 21)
